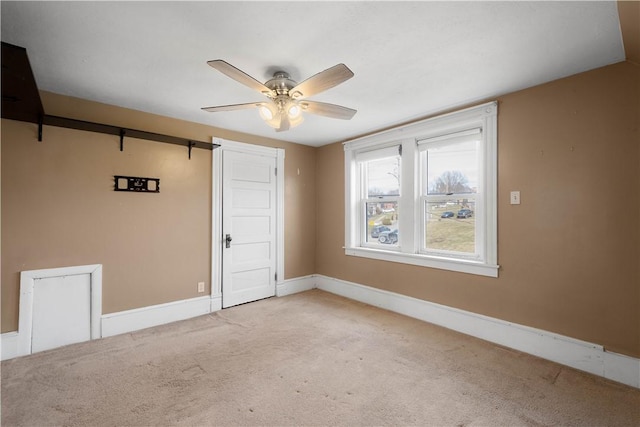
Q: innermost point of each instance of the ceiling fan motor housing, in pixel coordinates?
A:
(281, 83)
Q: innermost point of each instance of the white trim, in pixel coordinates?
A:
(479, 118)
(473, 134)
(293, 286)
(216, 208)
(621, 368)
(216, 224)
(432, 261)
(216, 303)
(9, 345)
(379, 152)
(280, 153)
(145, 317)
(133, 320)
(582, 355)
(27, 283)
(154, 315)
(455, 121)
(565, 350)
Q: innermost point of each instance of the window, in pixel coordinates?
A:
(449, 190)
(425, 193)
(380, 178)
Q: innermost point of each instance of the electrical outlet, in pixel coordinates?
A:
(515, 197)
(200, 286)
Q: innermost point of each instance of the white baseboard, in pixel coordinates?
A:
(9, 345)
(293, 286)
(146, 317)
(154, 315)
(216, 303)
(568, 351)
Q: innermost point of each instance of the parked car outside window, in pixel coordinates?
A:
(388, 237)
(376, 230)
(464, 213)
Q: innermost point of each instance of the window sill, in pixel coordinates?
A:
(462, 266)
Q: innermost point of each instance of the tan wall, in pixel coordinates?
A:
(569, 254)
(629, 13)
(59, 208)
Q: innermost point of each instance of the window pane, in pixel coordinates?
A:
(450, 225)
(450, 169)
(383, 177)
(382, 222)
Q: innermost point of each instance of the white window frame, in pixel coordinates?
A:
(479, 200)
(409, 249)
(364, 156)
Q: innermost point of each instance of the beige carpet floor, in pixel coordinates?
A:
(307, 359)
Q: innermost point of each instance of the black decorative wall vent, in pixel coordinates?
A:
(134, 183)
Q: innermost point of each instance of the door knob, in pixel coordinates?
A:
(228, 241)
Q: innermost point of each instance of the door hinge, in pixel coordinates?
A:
(276, 277)
(275, 171)
(400, 150)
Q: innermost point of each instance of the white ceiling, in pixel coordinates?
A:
(410, 59)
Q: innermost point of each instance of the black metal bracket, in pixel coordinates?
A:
(122, 133)
(40, 121)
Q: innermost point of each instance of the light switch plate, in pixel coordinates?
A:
(515, 198)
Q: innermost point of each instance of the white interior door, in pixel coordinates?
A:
(61, 311)
(248, 227)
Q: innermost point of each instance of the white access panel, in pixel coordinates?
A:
(61, 311)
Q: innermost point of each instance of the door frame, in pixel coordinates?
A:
(216, 210)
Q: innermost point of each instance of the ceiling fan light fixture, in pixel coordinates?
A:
(281, 110)
(271, 114)
(274, 122)
(294, 110)
(268, 112)
(295, 121)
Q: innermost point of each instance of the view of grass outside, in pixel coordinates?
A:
(444, 230)
(447, 231)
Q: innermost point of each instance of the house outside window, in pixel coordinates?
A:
(425, 193)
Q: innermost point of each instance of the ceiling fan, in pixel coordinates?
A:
(288, 99)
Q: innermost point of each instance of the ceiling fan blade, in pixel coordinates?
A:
(285, 124)
(329, 110)
(322, 81)
(233, 107)
(240, 76)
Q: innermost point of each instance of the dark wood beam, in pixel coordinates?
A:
(21, 101)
